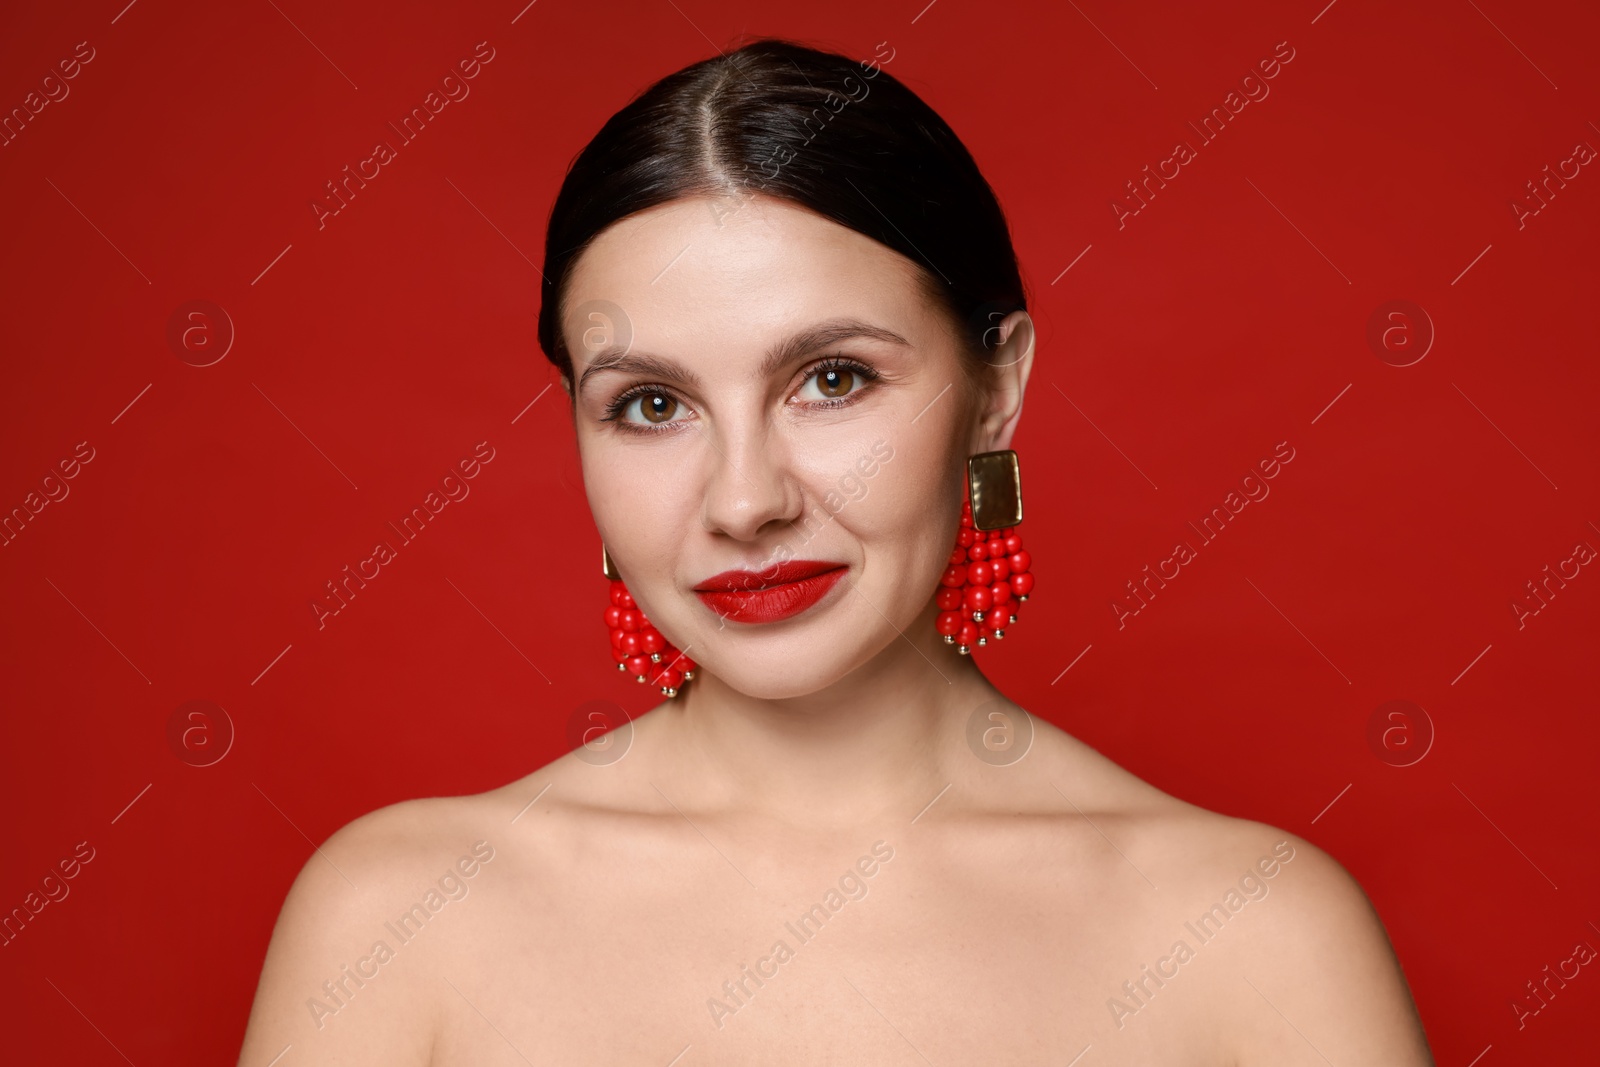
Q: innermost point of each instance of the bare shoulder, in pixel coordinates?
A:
(352, 971)
(1316, 976)
(1299, 966)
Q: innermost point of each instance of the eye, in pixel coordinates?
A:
(656, 407)
(838, 380)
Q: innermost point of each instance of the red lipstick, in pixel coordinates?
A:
(767, 596)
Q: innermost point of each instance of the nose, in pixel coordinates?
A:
(750, 489)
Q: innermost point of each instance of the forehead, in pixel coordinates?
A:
(703, 271)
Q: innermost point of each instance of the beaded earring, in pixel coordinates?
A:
(637, 646)
(989, 572)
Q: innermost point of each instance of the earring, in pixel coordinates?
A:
(988, 575)
(638, 648)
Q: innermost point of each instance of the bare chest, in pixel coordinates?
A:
(852, 957)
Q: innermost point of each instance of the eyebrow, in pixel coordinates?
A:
(817, 335)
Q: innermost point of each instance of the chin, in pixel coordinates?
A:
(773, 666)
(768, 684)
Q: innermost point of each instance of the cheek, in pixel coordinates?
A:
(908, 519)
(640, 511)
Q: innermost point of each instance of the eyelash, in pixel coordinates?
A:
(615, 409)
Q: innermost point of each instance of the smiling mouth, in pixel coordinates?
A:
(745, 596)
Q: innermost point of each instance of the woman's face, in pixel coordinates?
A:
(755, 384)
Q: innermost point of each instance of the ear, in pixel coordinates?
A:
(1007, 377)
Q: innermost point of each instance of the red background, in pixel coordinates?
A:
(372, 354)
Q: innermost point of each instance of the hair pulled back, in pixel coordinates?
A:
(843, 139)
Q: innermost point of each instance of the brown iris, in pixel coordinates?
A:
(657, 404)
(840, 378)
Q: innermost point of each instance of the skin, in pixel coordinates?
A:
(987, 911)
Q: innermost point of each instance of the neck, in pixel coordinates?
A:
(885, 739)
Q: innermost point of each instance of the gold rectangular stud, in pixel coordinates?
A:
(994, 480)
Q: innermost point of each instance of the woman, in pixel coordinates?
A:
(786, 310)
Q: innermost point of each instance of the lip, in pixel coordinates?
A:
(768, 596)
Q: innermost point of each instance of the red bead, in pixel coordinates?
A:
(997, 535)
(1021, 584)
(948, 623)
(977, 598)
(622, 598)
(968, 634)
(958, 556)
(616, 638)
(671, 679)
(638, 666)
(965, 537)
(631, 619)
(1000, 593)
(1021, 561)
(954, 576)
(618, 655)
(1013, 543)
(980, 574)
(949, 598)
(978, 550)
(650, 640)
(1001, 568)
(613, 616)
(631, 644)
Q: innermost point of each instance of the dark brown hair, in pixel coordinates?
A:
(777, 118)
